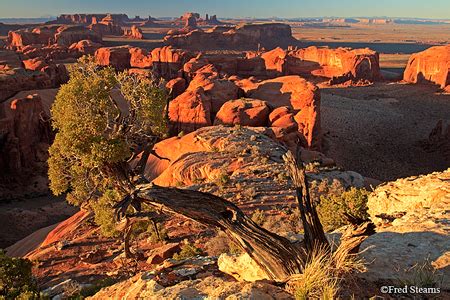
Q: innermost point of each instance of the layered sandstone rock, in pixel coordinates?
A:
(14, 77)
(356, 64)
(203, 157)
(431, 65)
(248, 36)
(241, 267)
(168, 62)
(415, 228)
(244, 111)
(25, 134)
(302, 96)
(119, 57)
(140, 58)
(190, 111)
(217, 89)
(66, 35)
(144, 286)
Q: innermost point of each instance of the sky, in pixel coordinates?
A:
(437, 9)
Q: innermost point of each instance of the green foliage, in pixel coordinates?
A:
(16, 280)
(104, 212)
(98, 131)
(187, 251)
(333, 207)
(259, 217)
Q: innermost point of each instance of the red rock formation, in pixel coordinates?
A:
(134, 33)
(140, 58)
(118, 57)
(245, 112)
(238, 37)
(219, 90)
(85, 47)
(68, 35)
(176, 87)
(302, 96)
(431, 65)
(88, 18)
(107, 26)
(356, 64)
(168, 62)
(14, 78)
(24, 134)
(190, 111)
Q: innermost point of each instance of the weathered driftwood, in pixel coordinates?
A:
(276, 255)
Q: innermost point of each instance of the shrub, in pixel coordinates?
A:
(187, 251)
(104, 213)
(333, 208)
(323, 273)
(16, 280)
(259, 217)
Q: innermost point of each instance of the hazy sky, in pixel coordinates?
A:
(231, 8)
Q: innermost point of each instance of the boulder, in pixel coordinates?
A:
(302, 96)
(119, 57)
(190, 111)
(158, 255)
(431, 65)
(219, 90)
(245, 112)
(241, 267)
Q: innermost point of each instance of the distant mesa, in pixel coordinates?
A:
(87, 19)
(247, 36)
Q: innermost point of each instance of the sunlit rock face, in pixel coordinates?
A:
(431, 65)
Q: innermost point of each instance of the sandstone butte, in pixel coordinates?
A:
(431, 65)
(134, 33)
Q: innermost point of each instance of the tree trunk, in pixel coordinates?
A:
(314, 234)
(276, 255)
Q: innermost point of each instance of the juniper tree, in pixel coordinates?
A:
(102, 121)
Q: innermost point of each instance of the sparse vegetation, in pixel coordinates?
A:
(259, 217)
(16, 279)
(323, 274)
(187, 251)
(333, 208)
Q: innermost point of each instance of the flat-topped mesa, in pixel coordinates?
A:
(64, 35)
(248, 36)
(431, 65)
(107, 26)
(88, 18)
(342, 64)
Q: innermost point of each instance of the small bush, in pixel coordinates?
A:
(16, 280)
(332, 208)
(187, 251)
(259, 217)
(154, 238)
